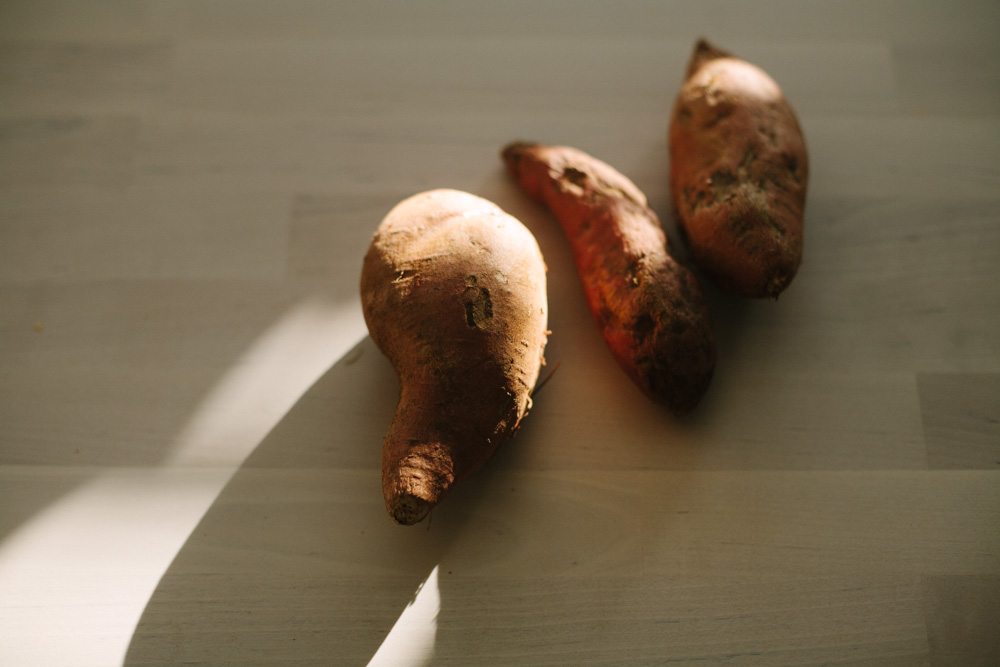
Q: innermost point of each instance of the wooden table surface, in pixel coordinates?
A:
(191, 411)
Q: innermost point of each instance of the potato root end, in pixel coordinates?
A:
(415, 481)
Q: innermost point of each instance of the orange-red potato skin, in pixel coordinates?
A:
(649, 308)
(738, 174)
(453, 291)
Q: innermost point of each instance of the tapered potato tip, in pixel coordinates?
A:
(408, 509)
(512, 154)
(415, 478)
(514, 148)
(410, 499)
(704, 52)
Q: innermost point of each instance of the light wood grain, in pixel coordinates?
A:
(959, 411)
(191, 413)
(961, 614)
(146, 233)
(121, 76)
(67, 150)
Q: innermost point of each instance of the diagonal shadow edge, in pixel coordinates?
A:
(323, 453)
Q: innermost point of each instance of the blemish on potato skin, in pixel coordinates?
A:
(478, 305)
(643, 326)
(574, 176)
(573, 180)
(405, 274)
(741, 228)
(792, 165)
(720, 114)
(722, 183)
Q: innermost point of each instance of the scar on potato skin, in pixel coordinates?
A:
(722, 113)
(574, 176)
(478, 304)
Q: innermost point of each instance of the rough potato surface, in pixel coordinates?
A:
(453, 291)
(738, 174)
(649, 308)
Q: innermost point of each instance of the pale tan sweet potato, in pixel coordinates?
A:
(454, 293)
(738, 174)
(649, 308)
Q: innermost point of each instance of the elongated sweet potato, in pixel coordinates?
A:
(454, 293)
(649, 308)
(738, 174)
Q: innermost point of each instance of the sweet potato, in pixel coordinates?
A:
(454, 294)
(738, 174)
(649, 308)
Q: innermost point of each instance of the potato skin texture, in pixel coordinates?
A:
(454, 294)
(739, 171)
(649, 308)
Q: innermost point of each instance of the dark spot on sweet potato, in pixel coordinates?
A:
(721, 112)
(723, 183)
(792, 165)
(768, 132)
(775, 227)
(643, 326)
(478, 307)
(741, 228)
(773, 179)
(722, 178)
(574, 176)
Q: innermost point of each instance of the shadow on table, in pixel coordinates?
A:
(297, 560)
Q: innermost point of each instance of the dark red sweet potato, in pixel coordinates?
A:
(738, 174)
